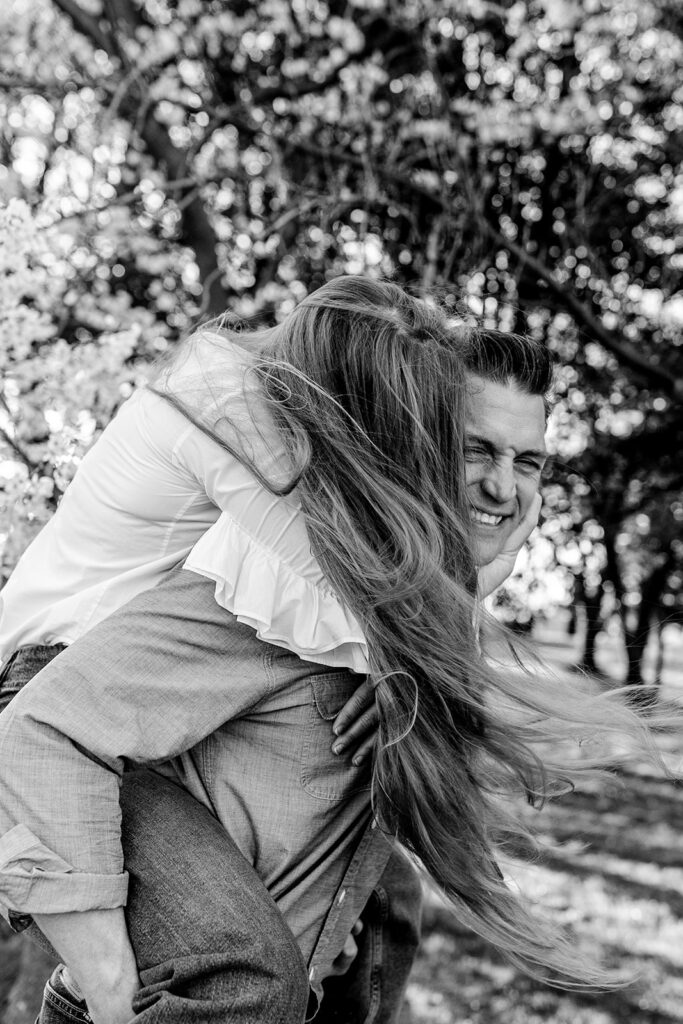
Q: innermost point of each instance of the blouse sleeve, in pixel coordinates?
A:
(215, 384)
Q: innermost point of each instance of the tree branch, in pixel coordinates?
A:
(199, 234)
(651, 442)
(429, 273)
(626, 353)
(22, 455)
(302, 86)
(341, 156)
(86, 24)
(196, 228)
(35, 85)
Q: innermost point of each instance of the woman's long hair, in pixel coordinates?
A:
(367, 388)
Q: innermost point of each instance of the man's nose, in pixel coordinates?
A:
(499, 483)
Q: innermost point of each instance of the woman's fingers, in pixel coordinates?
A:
(528, 523)
(343, 960)
(496, 572)
(355, 726)
(365, 749)
(356, 736)
(362, 700)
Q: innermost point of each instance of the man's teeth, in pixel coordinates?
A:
(484, 517)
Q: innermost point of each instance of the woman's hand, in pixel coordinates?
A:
(343, 960)
(94, 945)
(356, 724)
(493, 574)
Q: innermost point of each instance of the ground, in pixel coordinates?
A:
(614, 878)
(617, 884)
(615, 881)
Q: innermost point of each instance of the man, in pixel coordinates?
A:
(505, 452)
(502, 487)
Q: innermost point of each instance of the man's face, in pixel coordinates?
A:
(504, 454)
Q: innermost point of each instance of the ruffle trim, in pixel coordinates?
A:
(283, 607)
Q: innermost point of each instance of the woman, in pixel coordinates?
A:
(359, 394)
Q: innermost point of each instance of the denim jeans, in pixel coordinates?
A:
(59, 1005)
(372, 990)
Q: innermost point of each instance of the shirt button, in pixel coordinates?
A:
(374, 823)
(342, 897)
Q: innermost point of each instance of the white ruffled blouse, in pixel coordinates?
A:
(156, 490)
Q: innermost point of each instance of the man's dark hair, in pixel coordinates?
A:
(503, 357)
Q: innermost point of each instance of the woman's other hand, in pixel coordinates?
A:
(493, 574)
(355, 727)
(343, 960)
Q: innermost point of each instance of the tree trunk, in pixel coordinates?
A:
(659, 663)
(636, 643)
(592, 603)
(647, 614)
(196, 229)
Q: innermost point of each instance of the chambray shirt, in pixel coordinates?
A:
(173, 680)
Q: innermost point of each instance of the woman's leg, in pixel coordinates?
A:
(210, 944)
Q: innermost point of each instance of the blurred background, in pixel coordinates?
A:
(163, 161)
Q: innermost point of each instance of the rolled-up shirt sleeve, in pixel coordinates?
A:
(145, 685)
(36, 880)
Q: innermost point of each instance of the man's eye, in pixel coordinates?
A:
(475, 454)
(529, 465)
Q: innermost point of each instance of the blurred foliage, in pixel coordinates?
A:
(164, 160)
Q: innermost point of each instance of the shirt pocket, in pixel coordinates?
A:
(325, 775)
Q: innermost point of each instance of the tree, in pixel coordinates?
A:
(523, 160)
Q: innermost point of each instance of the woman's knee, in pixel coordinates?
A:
(202, 924)
(216, 987)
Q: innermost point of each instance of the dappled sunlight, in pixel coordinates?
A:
(613, 876)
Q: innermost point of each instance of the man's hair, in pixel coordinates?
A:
(508, 358)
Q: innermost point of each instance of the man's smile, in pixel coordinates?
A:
(486, 518)
(504, 456)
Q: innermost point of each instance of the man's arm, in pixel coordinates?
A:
(148, 683)
(95, 946)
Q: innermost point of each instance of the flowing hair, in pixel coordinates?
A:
(367, 389)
